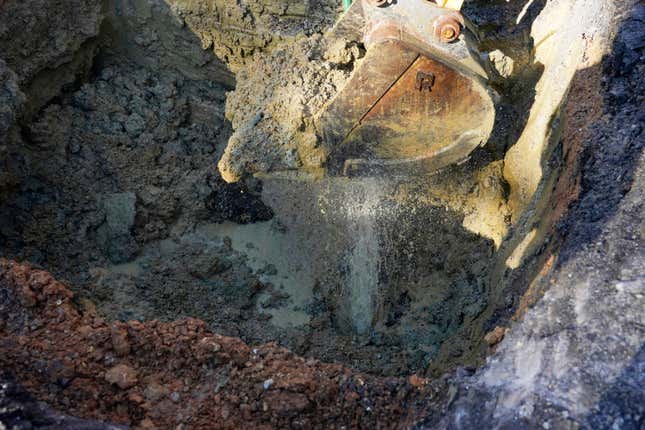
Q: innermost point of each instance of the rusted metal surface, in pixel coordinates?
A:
(376, 73)
(414, 21)
(425, 81)
(408, 125)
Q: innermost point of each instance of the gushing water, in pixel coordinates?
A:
(362, 205)
(332, 225)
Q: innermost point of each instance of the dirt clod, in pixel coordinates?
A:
(122, 375)
(120, 341)
(496, 336)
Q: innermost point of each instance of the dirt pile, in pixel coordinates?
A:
(274, 104)
(87, 170)
(114, 146)
(39, 55)
(48, 51)
(162, 375)
(52, 46)
(235, 32)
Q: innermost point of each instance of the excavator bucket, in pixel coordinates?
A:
(419, 97)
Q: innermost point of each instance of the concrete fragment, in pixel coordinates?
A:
(502, 63)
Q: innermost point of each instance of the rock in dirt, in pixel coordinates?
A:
(120, 341)
(122, 375)
(417, 381)
(495, 336)
(115, 236)
(155, 392)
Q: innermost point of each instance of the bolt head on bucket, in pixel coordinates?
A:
(447, 28)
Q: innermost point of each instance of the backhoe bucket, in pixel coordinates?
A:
(418, 98)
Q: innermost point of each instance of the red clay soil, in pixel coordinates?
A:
(179, 374)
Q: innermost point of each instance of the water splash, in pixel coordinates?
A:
(334, 223)
(362, 203)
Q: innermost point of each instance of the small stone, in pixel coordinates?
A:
(352, 396)
(175, 397)
(257, 286)
(74, 147)
(134, 125)
(147, 424)
(267, 384)
(135, 398)
(417, 382)
(209, 345)
(120, 341)
(495, 336)
(155, 392)
(88, 306)
(502, 63)
(122, 375)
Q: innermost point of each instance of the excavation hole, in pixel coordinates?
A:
(118, 194)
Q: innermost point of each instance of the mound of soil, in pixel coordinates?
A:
(164, 375)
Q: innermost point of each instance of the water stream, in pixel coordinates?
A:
(362, 204)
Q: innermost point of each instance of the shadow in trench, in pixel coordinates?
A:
(513, 70)
(624, 401)
(596, 161)
(610, 154)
